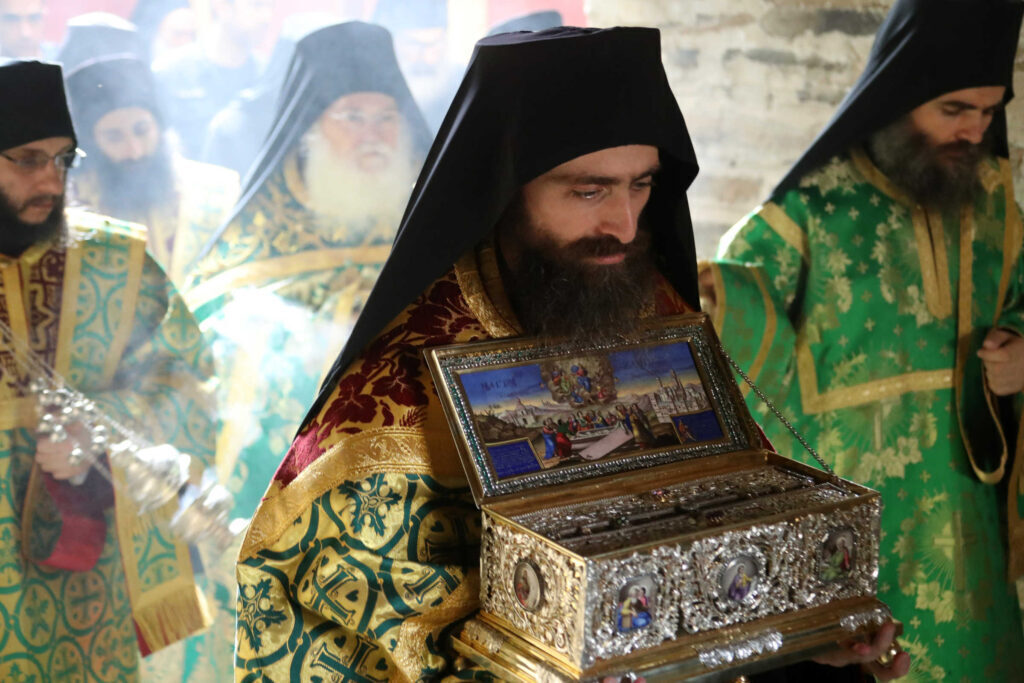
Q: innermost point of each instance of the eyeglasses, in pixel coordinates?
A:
(360, 118)
(37, 161)
(14, 18)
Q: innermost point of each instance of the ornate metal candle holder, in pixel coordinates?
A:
(154, 475)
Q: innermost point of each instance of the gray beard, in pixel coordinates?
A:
(914, 164)
(347, 196)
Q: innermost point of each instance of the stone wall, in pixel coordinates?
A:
(757, 80)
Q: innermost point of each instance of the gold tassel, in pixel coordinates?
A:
(174, 615)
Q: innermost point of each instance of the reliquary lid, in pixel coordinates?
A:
(526, 415)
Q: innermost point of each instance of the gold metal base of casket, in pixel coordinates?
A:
(722, 655)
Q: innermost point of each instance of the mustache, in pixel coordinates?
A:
(382, 148)
(606, 245)
(40, 200)
(959, 148)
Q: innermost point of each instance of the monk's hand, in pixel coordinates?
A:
(54, 457)
(875, 657)
(1002, 352)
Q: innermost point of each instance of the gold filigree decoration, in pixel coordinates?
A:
(556, 623)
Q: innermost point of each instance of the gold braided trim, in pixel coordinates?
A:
(786, 228)
(963, 348)
(860, 394)
(931, 253)
(18, 412)
(414, 631)
(68, 304)
(770, 327)
(991, 178)
(480, 282)
(15, 300)
(394, 450)
(937, 231)
(136, 261)
(281, 267)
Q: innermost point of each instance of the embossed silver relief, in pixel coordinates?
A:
(872, 617)
(824, 578)
(604, 525)
(738, 651)
(612, 582)
(547, 610)
(736, 577)
(736, 580)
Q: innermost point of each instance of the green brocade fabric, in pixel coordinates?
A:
(859, 314)
(276, 298)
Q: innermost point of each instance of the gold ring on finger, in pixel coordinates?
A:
(885, 660)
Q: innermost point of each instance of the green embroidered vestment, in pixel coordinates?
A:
(860, 313)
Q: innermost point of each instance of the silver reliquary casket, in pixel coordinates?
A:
(635, 521)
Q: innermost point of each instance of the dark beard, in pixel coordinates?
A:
(16, 235)
(557, 296)
(130, 190)
(940, 176)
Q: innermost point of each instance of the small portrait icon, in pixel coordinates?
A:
(527, 586)
(837, 556)
(636, 604)
(739, 578)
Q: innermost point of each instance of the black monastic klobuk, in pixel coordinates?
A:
(39, 110)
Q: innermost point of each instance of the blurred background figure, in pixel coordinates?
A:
(165, 25)
(98, 34)
(279, 286)
(236, 133)
(98, 580)
(420, 30)
(199, 79)
(131, 170)
(535, 21)
(21, 29)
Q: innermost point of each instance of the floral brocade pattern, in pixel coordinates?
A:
(387, 385)
(856, 312)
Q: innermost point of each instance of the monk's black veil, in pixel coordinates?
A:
(529, 102)
(924, 49)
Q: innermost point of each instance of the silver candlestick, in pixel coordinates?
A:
(153, 475)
